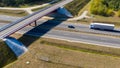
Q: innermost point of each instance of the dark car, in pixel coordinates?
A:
(71, 26)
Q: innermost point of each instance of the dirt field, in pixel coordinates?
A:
(44, 55)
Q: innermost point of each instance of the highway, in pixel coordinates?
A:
(79, 37)
(19, 24)
(85, 28)
(41, 30)
(73, 36)
(81, 28)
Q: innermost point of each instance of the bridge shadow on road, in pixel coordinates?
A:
(39, 31)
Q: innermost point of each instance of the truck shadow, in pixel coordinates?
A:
(115, 31)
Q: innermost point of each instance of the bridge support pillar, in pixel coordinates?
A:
(35, 23)
(64, 11)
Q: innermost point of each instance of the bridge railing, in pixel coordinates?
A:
(31, 17)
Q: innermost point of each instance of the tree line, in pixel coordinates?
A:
(19, 2)
(105, 7)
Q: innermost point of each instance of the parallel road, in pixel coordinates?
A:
(15, 26)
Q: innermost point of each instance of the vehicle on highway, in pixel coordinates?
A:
(71, 26)
(102, 26)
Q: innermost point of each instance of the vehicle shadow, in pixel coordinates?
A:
(115, 31)
(39, 31)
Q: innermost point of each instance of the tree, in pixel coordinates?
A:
(19, 2)
(104, 7)
(110, 12)
(118, 13)
(98, 8)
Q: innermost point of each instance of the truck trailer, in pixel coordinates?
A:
(102, 26)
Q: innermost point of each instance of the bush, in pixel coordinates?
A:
(110, 12)
(17, 3)
(118, 13)
(98, 8)
(6, 55)
(104, 7)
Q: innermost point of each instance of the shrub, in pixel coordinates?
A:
(110, 12)
(105, 7)
(118, 13)
(98, 9)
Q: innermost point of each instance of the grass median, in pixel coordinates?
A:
(84, 47)
(19, 13)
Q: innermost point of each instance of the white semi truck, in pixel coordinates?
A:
(102, 26)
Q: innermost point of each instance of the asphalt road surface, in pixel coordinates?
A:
(85, 28)
(71, 36)
(41, 30)
(45, 31)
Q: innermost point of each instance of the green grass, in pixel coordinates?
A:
(19, 13)
(45, 6)
(84, 47)
(97, 18)
(5, 21)
(40, 8)
(24, 3)
(79, 6)
(6, 55)
(75, 6)
(101, 19)
(64, 54)
(111, 20)
(86, 7)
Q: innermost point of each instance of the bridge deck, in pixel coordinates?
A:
(15, 26)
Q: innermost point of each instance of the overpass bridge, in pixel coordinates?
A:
(19, 24)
